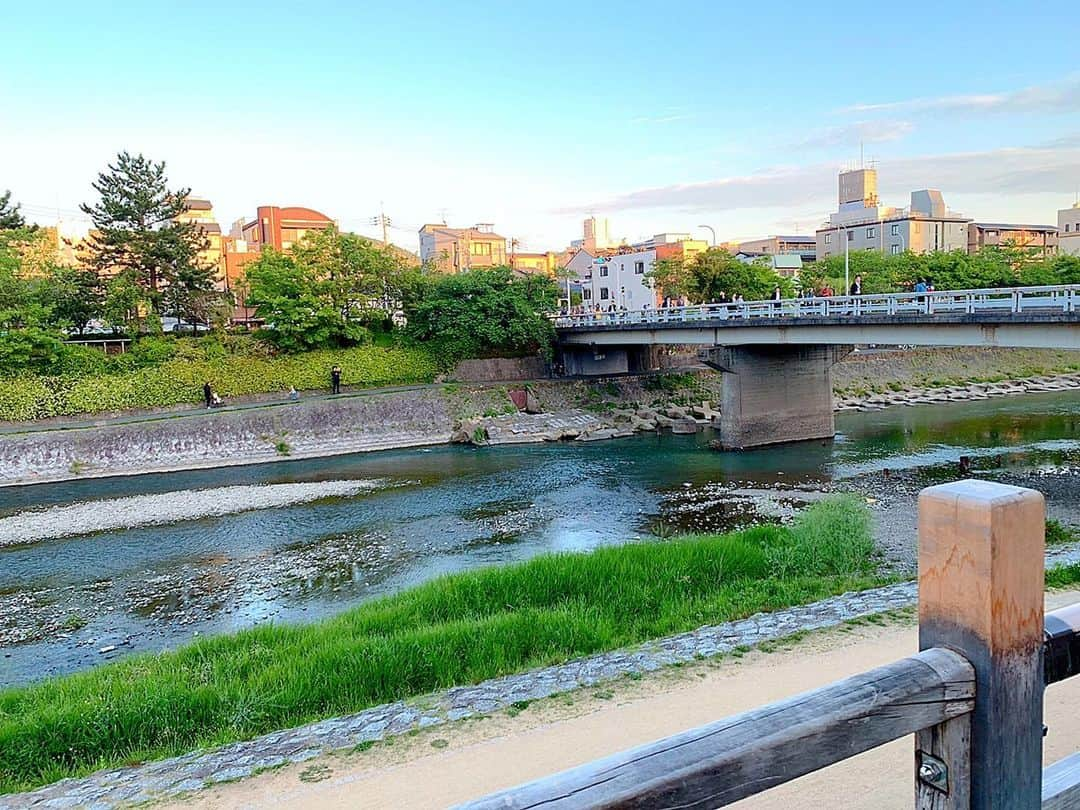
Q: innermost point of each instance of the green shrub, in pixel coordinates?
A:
(162, 372)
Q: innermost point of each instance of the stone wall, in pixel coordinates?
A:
(500, 368)
(220, 438)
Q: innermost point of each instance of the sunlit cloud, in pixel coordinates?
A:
(1014, 170)
(1058, 97)
(856, 133)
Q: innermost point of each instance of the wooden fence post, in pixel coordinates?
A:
(981, 594)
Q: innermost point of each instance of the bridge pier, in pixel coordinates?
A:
(774, 394)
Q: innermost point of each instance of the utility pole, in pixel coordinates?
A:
(384, 220)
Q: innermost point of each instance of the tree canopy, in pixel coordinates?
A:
(137, 232)
(715, 274)
(10, 218)
(481, 313)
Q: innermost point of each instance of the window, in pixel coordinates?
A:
(639, 268)
(603, 293)
(603, 271)
(828, 239)
(586, 294)
(871, 233)
(480, 248)
(894, 249)
(851, 236)
(991, 233)
(895, 231)
(1067, 227)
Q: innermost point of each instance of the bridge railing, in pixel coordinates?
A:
(1008, 300)
(973, 696)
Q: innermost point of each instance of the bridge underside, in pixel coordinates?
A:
(775, 394)
(1040, 331)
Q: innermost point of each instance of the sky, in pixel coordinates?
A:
(531, 116)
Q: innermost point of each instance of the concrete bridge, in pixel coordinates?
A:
(776, 356)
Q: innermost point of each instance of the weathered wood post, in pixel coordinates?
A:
(981, 594)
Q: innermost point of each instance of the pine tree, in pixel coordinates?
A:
(137, 231)
(10, 218)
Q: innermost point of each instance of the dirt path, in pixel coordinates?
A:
(446, 765)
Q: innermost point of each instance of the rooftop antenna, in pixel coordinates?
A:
(862, 162)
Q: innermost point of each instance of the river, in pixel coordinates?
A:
(111, 567)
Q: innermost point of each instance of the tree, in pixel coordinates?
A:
(294, 304)
(76, 297)
(481, 313)
(137, 231)
(10, 218)
(124, 304)
(360, 277)
(714, 274)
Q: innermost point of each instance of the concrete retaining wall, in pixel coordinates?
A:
(500, 368)
(221, 438)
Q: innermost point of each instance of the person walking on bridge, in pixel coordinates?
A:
(335, 380)
(856, 286)
(208, 393)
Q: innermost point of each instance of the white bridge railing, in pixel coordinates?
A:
(1005, 301)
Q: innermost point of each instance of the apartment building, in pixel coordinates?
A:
(1038, 240)
(616, 277)
(527, 264)
(454, 250)
(862, 223)
(201, 213)
(1069, 230)
(803, 246)
(279, 228)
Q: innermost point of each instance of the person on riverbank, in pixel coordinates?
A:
(335, 380)
(208, 394)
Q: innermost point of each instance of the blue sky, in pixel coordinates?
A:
(530, 115)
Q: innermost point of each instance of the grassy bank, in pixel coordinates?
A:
(166, 371)
(454, 630)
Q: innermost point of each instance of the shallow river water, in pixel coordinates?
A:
(107, 567)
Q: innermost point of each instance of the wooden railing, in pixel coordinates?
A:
(973, 696)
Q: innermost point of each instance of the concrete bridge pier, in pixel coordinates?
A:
(774, 394)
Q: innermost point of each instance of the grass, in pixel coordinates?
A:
(457, 629)
(1058, 534)
(1063, 576)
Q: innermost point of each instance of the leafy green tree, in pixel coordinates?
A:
(481, 313)
(360, 277)
(10, 218)
(715, 273)
(137, 231)
(76, 297)
(124, 304)
(294, 304)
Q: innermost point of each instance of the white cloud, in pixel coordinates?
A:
(856, 133)
(1058, 97)
(1020, 170)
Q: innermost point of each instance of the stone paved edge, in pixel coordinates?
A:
(171, 777)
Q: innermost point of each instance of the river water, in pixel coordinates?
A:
(106, 568)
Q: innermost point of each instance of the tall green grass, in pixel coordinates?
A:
(458, 629)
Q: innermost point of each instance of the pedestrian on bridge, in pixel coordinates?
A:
(335, 380)
(856, 286)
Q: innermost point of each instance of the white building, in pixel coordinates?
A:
(862, 223)
(1069, 230)
(619, 279)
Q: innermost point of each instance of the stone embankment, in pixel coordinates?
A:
(957, 393)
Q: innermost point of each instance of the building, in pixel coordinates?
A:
(804, 246)
(454, 250)
(788, 265)
(1069, 230)
(617, 277)
(862, 223)
(525, 264)
(201, 213)
(596, 233)
(279, 228)
(1038, 240)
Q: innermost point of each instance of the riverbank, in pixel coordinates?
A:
(491, 413)
(455, 630)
